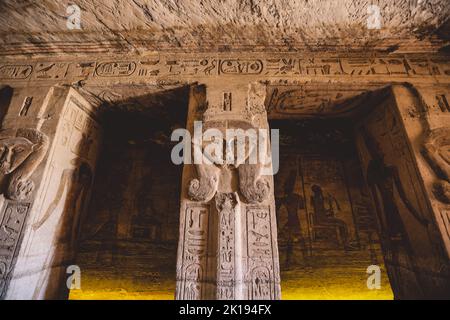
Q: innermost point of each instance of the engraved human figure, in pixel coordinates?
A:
(260, 285)
(21, 151)
(192, 290)
(77, 183)
(384, 181)
(293, 202)
(324, 213)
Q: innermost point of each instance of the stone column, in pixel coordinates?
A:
(49, 142)
(425, 111)
(228, 234)
(411, 134)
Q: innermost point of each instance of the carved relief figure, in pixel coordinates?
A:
(77, 183)
(293, 202)
(437, 151)
(261, 284)
(19, 157)
(384, 181)
(192, 289)
(324, 213)
(20, 154)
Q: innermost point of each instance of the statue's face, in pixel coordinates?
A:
(13, 151)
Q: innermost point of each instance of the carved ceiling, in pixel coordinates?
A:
(139, 26)
(321, 100)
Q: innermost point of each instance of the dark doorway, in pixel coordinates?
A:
(327, 228)
(130, 234)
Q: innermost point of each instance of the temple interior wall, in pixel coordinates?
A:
(37, 96)
(323, 153)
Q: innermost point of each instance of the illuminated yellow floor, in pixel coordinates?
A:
(297, 284)
(331, 274)
(331, 284)
(107, 289)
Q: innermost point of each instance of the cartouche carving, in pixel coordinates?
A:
(19, 157)
(436, 150)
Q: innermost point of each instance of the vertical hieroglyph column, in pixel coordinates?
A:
(226, 205)
(228, 241)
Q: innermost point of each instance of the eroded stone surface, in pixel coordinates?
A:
(139, 26)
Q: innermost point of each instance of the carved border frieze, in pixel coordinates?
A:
(205, 65)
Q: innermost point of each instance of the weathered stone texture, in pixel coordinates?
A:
(139, 26)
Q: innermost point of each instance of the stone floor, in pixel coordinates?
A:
(127, 270)
(332, 274)
(146, 271)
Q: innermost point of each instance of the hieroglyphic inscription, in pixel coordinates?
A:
(25, 106)
(15, 71)
(78, 128)
(12, 219)
(227, 101)
(443, 103)
(51, 71)
(115, 69)
(260, 253)
(226, 204)
(194, 252)
(269, 66)
(236, 66)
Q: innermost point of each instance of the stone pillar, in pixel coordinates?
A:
(407, 161)
(228, 235)
(425, 112)
(49, 142)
